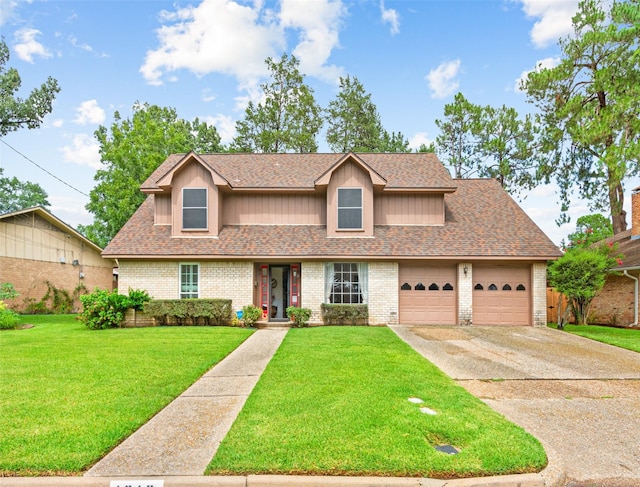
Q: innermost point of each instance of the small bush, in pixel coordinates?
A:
(250, 314)
(345, 314)
(8, 319)
(7, 291)
(103, 309)
(137, 299)
(299, 316)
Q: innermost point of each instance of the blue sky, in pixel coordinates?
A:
(205, 58)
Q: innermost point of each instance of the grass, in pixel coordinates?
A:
(620, 337)
(69, 395)
(334, 401)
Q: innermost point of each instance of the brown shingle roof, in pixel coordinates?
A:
(627, 247)
(482, 221)
(410, 170)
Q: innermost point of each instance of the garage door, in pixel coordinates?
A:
(427, 294)
(502, 295)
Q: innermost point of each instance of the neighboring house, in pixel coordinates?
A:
(617, 302)
(394, 231)
(38, 250)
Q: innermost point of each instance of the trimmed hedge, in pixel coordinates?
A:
(345, 314)
(184, 312)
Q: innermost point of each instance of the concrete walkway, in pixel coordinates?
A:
(182, 438)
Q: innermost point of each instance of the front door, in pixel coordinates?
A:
(279, 297)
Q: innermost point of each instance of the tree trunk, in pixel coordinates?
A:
(618, 215)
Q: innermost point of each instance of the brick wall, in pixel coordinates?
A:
(383, 293)
(539, 304)
(465, 294)
(30, 277)
(312, 289)
(161, 279)
(614, 304)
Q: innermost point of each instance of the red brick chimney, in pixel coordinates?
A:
(635, 213)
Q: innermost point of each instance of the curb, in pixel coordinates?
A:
(525, 480)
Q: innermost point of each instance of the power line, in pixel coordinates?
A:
(42, 168)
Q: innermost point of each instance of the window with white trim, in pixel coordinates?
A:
(194, 209)
(349, 208)
(346, 282)
(189, 281)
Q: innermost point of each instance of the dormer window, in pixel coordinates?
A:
(194, 209)
(349, 208)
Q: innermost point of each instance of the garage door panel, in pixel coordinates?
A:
(427, 294)
(501, 295)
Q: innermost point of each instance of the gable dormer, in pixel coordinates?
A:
(188, 198)
(350, 187)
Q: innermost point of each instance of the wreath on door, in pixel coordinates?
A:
(274, 283)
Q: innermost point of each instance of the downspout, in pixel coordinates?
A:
(635, 298)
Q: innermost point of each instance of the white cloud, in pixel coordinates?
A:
(391, 17)
(442, 80)
(207, 96)
(549, 62)
(318, 23)
(418, 139)
(7, 8)
(554, 19)
(226, 127)
(57, 123)
(216, 36)
(89, 112)
(226, 37)
(70, 210)
(26, 46)
(84, 151)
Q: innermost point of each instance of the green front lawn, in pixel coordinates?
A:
(68, 395)
(335, 401)
(620, 337)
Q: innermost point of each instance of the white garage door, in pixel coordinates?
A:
(427, 294)
(502, 295)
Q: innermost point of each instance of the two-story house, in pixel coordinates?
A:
(394, 231)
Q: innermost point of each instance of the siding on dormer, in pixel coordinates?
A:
(194, 175)
(349, 175)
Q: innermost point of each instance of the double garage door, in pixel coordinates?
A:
(428, 295)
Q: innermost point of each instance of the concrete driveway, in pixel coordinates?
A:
(580, 398)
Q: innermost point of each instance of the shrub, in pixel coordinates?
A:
(250, 314)
(345, 314)
(7, 291)
(8, 319)
(299, 316)
(103, 309)
(137, 299)
(210, 312)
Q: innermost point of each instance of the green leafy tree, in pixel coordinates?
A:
(427, 148)
(590, 229)
(353, 121)
(507, 146)
(393, 142)
(289, 119)
(457, 142)
(130, 152)
(589, 106)
(579, 274)
(18, 195)
(15, 112)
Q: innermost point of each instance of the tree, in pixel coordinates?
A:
(130, 153)
(579, 274)
(589, 107)
(16, 113)
(507, 146)
(289, 119)
(393, 142)
(457, 142)
(427, 148)
(17, 195)
(353, 119)
(590, 229)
